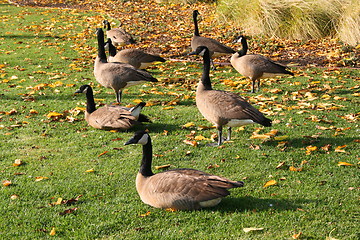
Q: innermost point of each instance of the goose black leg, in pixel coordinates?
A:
(229, 134)
(118, 96)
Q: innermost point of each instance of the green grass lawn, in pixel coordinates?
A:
(47, 54)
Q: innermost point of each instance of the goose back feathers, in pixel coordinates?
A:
(135, 57)
(178, 189)
(118, 35)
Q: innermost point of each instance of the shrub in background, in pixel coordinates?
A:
(294, 19)
(348, 27)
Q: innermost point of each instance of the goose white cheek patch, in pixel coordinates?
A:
(144, 139)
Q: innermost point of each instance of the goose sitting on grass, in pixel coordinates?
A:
(111, 117)
(177, 189)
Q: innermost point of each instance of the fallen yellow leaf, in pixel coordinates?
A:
(260, 136)
(280, 165)
(59, 201)
(52, 232)
(6, 183)
(90, 170)
(297, 235)
(252, 229)
(33, 111)
(345, 164)
(102, 153)
(192, 143)
(145, 214)
(99, 99)
(189, 124)
(201, 127)
(38, 179)
(340, 148)
(17, 162)
(14, 196)
(280, 138)
(79, 108)
(294, 169)
(137, 101)
(270, 183)
(162, 166)
(310, 149)
(200, 138)
(54, 114)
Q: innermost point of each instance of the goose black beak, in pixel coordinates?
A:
(131, 141)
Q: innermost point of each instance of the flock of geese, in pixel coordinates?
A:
(177, 189)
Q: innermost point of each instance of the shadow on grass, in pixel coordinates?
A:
(156, 127)
(19, 37)
(318, 142)
(257, 204)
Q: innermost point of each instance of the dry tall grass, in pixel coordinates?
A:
(295, 19)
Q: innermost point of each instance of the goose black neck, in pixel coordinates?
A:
(244, 48)
(205, 78)
(196, 31)
(101, 47)
(90, 102)
(112, 49)
(108, 27)
(145, 167)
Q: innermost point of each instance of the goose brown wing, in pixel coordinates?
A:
(190, 185)
(211, 44)
(264, 64)
(232, 106)
(113, 117)
(122, 73)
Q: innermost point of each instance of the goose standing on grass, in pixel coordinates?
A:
(135, 57)
(118, 36)
(216, 48)
(111, 116)
(177, 189)
(255, 66)
(115, 75)
(224, 108)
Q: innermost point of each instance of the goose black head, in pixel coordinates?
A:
(83, 89)
(140, 137)
(239, 39)
(201, 50)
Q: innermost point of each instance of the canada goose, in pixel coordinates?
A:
(224, 108)
(255, 66)
(216, 48)
(178, 189)
(118, 36)
(135, 57)
(111, 116)
(116, 75)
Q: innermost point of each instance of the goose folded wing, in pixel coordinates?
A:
(112, 117)
(192, 185)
